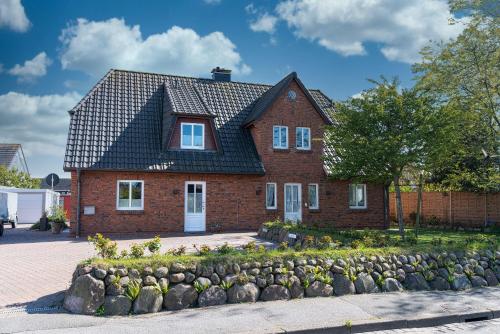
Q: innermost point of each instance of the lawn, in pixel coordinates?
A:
(346, 243)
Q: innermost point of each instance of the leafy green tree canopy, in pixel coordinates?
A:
(14, 178)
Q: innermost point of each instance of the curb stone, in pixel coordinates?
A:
(379, 325)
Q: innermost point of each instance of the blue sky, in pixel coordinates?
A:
(53, 52)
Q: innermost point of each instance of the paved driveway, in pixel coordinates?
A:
(35, 267)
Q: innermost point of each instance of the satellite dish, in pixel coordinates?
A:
(52, 180)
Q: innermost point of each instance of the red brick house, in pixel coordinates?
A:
(164, 153)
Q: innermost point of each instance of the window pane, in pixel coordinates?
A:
(276, 136)
(298, 137)
(123, 203)
(295, 198)
(305, 136)
(190, 188)
(190, 202)
(270, 191)
(136, 190)
(283, 137)
(360, 195)
(288, 199)
(313, 203)
(124, 190)
(198, 135)
(186, 134)
(352, 195)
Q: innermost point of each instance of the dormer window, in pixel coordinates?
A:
(192, 136)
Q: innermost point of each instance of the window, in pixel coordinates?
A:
(313, 196)
(303, 138)
(192, 136)
(270, 195)
(130, 195)
(280, 137)
(357, 196)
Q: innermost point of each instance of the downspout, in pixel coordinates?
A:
(78, 199)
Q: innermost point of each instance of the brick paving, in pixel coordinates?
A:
(36, 267)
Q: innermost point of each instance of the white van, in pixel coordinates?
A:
(8, 208)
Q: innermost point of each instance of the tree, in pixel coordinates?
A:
(14, 178)
(375, 137)
(464, 76)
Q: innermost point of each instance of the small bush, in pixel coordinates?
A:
(200, 287)
(308, 241)
(355, 244)
(283, 246)
(250, 247)
(203, 250)
(226, 285)
(137, 250)
(177, 251)
(105, 247)
(123, 254)
(133, 289)
(242, 279)
(225, 249)
(153, 245)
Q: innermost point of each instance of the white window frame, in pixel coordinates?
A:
(280, 127)
(355, 185)
(192, 146)
(305, 148)
(275, 196)
(317, 196)
(129, 208)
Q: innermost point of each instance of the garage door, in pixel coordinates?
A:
(29, 207)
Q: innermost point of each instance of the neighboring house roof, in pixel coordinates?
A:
(63, 185)
(11, 155)
(122, 123)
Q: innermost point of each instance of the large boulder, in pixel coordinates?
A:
(364, 283)
(478, 281)
(490, 277)
(391, 284)
(319, 289)
(85, 295)
(415, 281)
(342, 285)
(179, 297)
(460, 282)
(439, 283)
(214, 295)
(275, 292)
(148, 301)
(243, 293)
(117, 305)
(296, 289)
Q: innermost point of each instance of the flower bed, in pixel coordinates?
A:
(172, 282)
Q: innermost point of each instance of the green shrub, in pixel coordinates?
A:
(133, 290)
(250, 247)
(203, 250)
(200, 287)
(153, 245)
(225, 249)
(242, 279)
(137, 250)
(105, 247)
(58, 215)
(308, 241)
(123, 254)
(100, 311)
(283, 246)
(177, 251)
(226, 285)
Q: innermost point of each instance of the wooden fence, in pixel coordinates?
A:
(451, 208)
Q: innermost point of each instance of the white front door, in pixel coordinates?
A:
(194, 206)
(293, 202)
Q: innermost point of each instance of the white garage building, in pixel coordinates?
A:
(31, 203)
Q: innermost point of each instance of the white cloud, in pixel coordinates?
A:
(12, 16)
(401, 28)
(40, 124)
(264, 23)
(34, 68)
(212, 2)
(96, 46)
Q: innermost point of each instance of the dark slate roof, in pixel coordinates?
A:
(118, 124)
(63, 185)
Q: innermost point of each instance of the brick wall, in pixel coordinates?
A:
(467, 209)
(235, 202)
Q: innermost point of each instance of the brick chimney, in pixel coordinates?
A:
(221, 74)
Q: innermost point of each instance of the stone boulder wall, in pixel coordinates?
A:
(178, 286)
